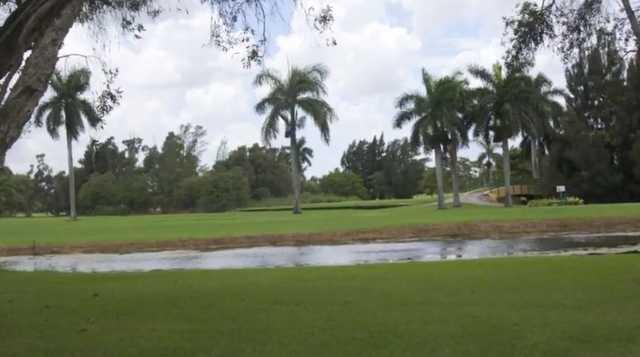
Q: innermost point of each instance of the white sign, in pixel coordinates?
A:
(561, 189)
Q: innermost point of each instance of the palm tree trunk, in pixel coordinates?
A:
(72, 180)
(453, 151)
(438, 157)
(506, 169)
(491, 175)
(535, 169)
(295, 172)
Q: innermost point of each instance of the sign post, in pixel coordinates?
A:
(562, 190)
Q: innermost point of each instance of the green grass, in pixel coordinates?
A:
(560, 306)
(48, 230)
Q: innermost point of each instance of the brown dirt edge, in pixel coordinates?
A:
(471, 230)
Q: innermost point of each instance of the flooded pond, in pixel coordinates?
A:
(339, 255)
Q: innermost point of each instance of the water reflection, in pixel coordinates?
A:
(321, 255)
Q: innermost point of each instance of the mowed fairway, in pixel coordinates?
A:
(555, 306)
(49, 230)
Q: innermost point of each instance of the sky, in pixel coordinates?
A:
(171, 77)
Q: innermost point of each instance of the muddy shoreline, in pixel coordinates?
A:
(468, 231)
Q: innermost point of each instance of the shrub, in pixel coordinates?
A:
(100, 190)
(569, 201)
(343, 183)
(223, 191)
(261, 194)
(111, 210)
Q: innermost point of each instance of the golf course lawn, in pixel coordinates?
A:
(49, 230)
(550, 306)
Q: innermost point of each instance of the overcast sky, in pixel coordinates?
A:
(171, 78)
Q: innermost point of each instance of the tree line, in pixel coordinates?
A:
(129, 177)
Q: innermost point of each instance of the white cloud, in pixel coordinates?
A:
(170, 78)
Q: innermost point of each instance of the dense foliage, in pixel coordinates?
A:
(393, 170)
(596, 150)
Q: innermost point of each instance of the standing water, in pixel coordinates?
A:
(338, 255)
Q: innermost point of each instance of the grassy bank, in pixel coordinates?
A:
(348, 204)
(561, 306)
(48, 230)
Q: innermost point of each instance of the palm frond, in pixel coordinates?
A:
(271, 127)
(42, 110)
(407, 100)
(320, 113)
(427, 81)
(57, 83)
(268, 77)
(89, 112)
(268, 103)
(483, 75)
(403, 117)
(54, 121)
(78, 80)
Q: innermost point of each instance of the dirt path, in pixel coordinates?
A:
(476, 230)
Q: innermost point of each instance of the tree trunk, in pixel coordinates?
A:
(295, 172)
(491, 175)
(535, 170)
(72, 180)
(438, 157)
(506, 169)
(34, 76)
(453, 152)
(25, 26)
(633, 21)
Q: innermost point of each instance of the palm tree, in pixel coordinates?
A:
(436, 116)
(542, 118)
(488, 158)
(458, 126)
(305, 154)
(301, 91)
(67, 108)
(501, 110)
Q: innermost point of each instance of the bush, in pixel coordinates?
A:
(570, 201)
(100, 190)
(343, 183)
(261, 194)
(134, 194)
(111, 210)
(223, 191)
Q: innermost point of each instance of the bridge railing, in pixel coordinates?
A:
(499, 193)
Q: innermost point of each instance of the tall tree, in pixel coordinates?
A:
(301, 91)
(542, 116)
(457, 126)
(502, 105)
(435, 114)
(67, 108)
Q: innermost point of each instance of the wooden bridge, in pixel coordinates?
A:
(499, 193)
